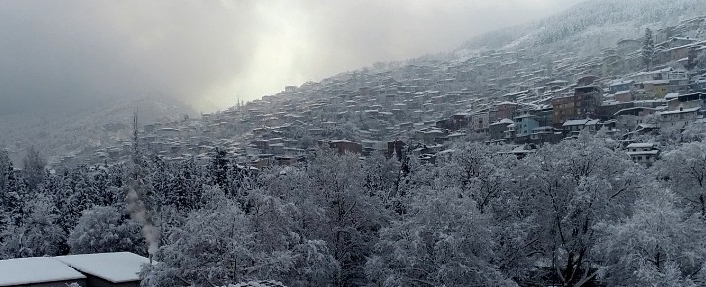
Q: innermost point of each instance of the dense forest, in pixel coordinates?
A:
(578, 213)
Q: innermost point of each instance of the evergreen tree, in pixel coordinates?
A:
(648, 49)
(106, 229)
(5, 169)
(33, 167)
(219, 169)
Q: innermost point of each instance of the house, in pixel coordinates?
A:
(525, 125)
(679, 118)
(287, 160)
(344, 146)
(505, 110)
(628, 119)
(459, 121)
(624, 96)
(481, 121)
(520, 151)
(644, 153)
(686, 101)
(38, 272)
(656, 89)
(498, 129)
(575, 126)
(621, 86)
(118, 269)
(544, 134)
(583, 103)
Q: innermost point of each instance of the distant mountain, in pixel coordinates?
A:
(590, 26)
(70, 132)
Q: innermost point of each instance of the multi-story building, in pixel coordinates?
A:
(581, 105)
(644, 153)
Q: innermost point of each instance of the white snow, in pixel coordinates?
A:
(641, 145)
(575, 122)
(34, 270)
(116, 267)
(269, 283)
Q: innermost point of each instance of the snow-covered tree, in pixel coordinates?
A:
(443, 241)
(220, 244)
(481, 173)
(659, 245)
(568, 188)
(37, 234)
(648, 49)
(106, 229)
(213, 248)
(353, 216)
(33, 168)
(382, 175)
(684, 170)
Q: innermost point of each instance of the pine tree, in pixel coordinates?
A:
(33, 167)
(219, 169)
(648, 49)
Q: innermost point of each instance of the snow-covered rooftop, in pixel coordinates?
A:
(641, 145)
(35, 270)
(648, 152)
(671, 96)
(115, 267)
(269, 283)
(680, 111)
(575, 122)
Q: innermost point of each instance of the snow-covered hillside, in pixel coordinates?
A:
(591, 26)
(70, 133)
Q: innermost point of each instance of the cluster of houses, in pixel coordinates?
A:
(515, 98)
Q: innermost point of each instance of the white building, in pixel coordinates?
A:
(644, 153)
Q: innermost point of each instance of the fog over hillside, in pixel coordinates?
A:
(379, 143)
(207, 54)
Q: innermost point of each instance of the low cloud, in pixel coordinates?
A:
(209, 53)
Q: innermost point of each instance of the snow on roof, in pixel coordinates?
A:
(558, 82)
(269, 283)
(621, 82)
(671, 96)
(575, 122)
(641, 145)
(115, 267)
(506, 121)
(657, 82)
(649, 152)
(680, 111)
(34, 270)
(592, 122)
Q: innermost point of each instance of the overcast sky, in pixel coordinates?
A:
(208, 53)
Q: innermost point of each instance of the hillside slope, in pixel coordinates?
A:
(590, 26)
(70, 133)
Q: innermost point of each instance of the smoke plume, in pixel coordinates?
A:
(138, 212)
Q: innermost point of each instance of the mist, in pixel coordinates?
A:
(209, 54)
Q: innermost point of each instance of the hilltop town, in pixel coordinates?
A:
(566, 152)
(515, 98)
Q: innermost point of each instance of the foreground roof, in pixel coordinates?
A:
(23, 271)
(115, 267)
